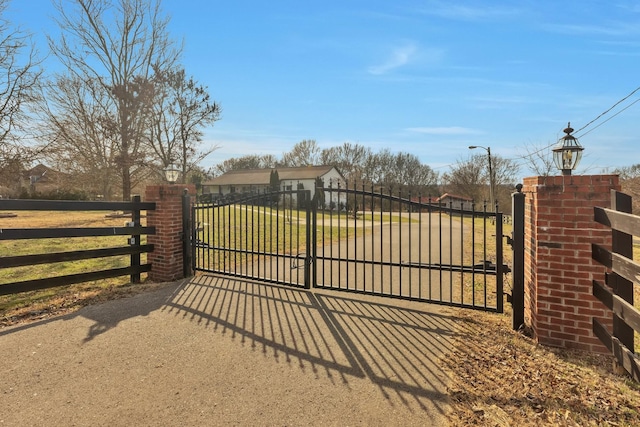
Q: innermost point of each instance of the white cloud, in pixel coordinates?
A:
(467, 13)
(399, 57)
(452, 130)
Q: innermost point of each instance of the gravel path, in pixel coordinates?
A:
(217, 351)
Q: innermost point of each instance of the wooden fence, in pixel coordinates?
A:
(133, 228)
(617, 292)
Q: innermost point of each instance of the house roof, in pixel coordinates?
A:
(262, 176)
(454, 197)
(42, 174)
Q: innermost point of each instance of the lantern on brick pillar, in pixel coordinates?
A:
(567, 152)
(171, 173)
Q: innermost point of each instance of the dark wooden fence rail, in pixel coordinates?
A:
(133, 228)
(617, 292)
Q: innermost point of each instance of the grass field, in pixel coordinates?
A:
(36, 301)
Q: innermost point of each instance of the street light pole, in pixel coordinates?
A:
(491, 177)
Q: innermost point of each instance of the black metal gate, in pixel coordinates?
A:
(356, 240)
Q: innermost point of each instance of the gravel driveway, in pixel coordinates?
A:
(215, 351)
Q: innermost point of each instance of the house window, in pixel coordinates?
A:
(288, 187)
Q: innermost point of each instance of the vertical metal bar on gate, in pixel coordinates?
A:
(462, 246)
(420, 244)
(484, 253)
(308, 258)
(399, 239)
(430, 237)
(451, 211)
(473, 253)
(313, 227)
(186, 234)
(373, 243)
(499, 264)
(364, 273)
(517, 244)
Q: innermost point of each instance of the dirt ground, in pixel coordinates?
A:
(216, 351)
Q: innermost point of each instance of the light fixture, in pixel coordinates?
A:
(567, 152)
(171, 173)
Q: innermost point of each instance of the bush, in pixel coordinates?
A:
(58, 194)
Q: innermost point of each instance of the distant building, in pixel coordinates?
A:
(246, 181)
(456, 202)
(42, 178)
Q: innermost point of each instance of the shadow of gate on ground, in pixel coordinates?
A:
(397, 346)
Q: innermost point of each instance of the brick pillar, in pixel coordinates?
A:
(167, 257)
(559, 230)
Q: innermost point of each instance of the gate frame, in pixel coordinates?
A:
(312, 258)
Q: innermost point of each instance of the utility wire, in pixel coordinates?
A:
(529, 155)
(612, 107)
(600, 124)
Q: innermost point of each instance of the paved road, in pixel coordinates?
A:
(408, 243)
(219, 351)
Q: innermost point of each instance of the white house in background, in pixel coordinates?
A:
(457, 202)
(258, 180)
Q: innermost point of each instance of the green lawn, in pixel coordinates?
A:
(35, 300)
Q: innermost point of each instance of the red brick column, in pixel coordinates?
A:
(166, 258)
(559, 230)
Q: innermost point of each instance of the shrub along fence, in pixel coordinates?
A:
(132, 228)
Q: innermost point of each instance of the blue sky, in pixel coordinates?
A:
(424, 77)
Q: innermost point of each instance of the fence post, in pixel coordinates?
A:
(622, 244)
(167, 258)
(517, 244)
(559, 269)
(135, 239)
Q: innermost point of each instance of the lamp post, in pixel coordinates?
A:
(567, 152)
(491, 177)
(171, 173)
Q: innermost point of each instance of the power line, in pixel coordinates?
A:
(529, 155)
(612, 107)
(600, 124)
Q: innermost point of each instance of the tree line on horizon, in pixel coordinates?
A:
(390, 172)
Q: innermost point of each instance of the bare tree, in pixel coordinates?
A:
(182, 108)
(304, 153)
(19, 79)
(539, 160)
(251, 161)
(470, 178)
(467, 178)
(82, 141)
(505, 173)
(401, 171)
(350, 159)
(407, 173)
(118, 44)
